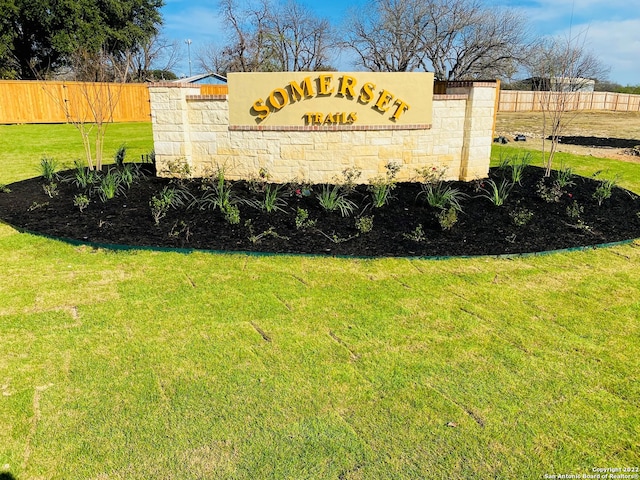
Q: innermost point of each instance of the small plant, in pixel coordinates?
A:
(218, 195)
(575, 210)
(438, 193)
(81, 201)
(504, 162)
(416, 235)
(349, 178)
(300, 188)
(442, 196)
(550, 194)
(110, 186)
(232, 214)
(520, 216)
(302, 219)
(580, 225)
(433, 174)
(364, 224)
(497, 193)
(256, 238)
(381, 186)
(258, 183)
(331, 199)
(149, 157)
(48, 169)
(168, 197)
(477, 184)
(120, 155)
(335, 238)
(518, 165)
(4, 188)
(83, 178)
(273, 201)
(36, 206)
(180, 229)
(178, 169)
(447, 218)
(564, 176)
(51, 189)
(604, 189)
(128, 175)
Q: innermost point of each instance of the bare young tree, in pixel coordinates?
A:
(456, 39)
(268, 36)
(386, 35)
(158, 53)
(561, 68)
(297, 40)
(90, 108)
(89, 104)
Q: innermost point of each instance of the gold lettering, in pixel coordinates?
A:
(302, 90)
(383, 101)
(309, 118)
(352, 118)
(329, 119)
(318, 118)
(261, 108)
(275, 102)
(347, 84)
(324, 81)
(402, 107)
(366, 92)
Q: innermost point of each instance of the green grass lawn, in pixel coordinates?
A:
(140, 364)
(23, 146)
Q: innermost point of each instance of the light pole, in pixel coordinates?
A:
(188, 42)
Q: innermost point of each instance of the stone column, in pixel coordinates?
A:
(171, 130)
(478, 127)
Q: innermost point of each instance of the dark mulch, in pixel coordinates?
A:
(482, 228)
(599, 142)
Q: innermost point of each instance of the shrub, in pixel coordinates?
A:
(364, 224)
(81, 201)
(520, 216)
(417, 235)
(447, 218)
(302, 219)
(550, 194)
(51, 189)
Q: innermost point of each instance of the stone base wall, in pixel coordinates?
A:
(192, 130)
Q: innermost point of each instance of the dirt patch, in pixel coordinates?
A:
(599, 134)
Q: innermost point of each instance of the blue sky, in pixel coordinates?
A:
(609, 28)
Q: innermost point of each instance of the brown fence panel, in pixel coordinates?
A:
(528, 101)
(49, 102)
(214, 90)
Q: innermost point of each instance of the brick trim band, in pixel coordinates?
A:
(326, 128)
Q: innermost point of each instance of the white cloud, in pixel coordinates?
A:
(617, 44)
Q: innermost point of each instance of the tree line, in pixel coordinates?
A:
(104, 40)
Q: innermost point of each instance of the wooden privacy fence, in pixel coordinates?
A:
(56, 101)
(523, 101)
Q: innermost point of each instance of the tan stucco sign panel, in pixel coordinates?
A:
(330, 98)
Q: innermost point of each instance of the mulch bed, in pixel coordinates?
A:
(482, 228)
